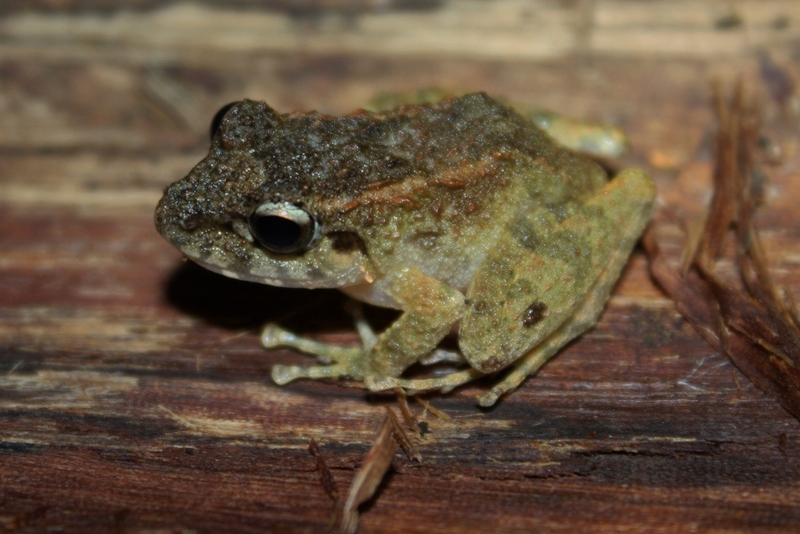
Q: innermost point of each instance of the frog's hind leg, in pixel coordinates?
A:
(532, 297)
(535, 294)
(585, 317)
(589, 138)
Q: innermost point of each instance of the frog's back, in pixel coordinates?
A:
(472, 168)
(342, 157)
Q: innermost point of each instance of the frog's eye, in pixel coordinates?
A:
(217, 120)
(283, 228)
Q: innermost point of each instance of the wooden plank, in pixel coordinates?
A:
(134, 394)
(469, 28)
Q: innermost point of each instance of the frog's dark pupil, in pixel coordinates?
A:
(277, 233)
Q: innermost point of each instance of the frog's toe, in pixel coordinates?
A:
(507, 385)
(488, 399)
(443, 383)
(274, 336)
(283, 374)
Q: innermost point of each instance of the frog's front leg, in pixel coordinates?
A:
(430, 309)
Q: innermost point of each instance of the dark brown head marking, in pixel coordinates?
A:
(347, 242)
(534, 314)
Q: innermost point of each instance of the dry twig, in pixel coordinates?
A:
(756, 325)
(370, 474)
(326, 479)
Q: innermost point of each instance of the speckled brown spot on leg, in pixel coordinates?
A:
(534, 314)
(491, 364)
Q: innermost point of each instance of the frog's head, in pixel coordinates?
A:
(248, 210)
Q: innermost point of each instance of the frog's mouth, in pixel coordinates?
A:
(312, 280)
(225, 252)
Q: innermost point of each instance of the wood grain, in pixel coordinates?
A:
(134, 395)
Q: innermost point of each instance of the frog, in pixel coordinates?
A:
(459, 211)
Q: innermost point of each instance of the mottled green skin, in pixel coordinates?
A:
(459, 211)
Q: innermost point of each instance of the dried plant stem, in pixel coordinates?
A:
(757, 327)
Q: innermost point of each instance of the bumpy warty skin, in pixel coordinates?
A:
(459, 213)
(349, 173)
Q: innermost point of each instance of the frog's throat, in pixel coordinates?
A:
(352, 276)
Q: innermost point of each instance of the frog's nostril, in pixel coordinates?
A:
(188, 223)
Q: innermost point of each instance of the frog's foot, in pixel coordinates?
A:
(444, 383)
(591, 305)
(525, 366)
(338, 362)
